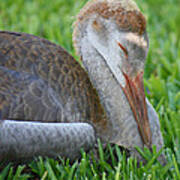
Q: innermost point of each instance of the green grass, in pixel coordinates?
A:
(53, 20)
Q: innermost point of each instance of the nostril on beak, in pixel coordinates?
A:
(123, 49)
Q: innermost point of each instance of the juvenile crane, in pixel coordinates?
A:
(50, 105)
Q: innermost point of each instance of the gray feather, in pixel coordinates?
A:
(25, 140)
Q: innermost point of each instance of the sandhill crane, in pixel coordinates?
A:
(50, 105)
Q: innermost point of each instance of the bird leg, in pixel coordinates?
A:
(26, 140)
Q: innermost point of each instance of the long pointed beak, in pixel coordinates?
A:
(134, 91)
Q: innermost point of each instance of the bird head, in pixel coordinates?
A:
(117, 29)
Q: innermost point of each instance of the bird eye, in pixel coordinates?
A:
(97, 25)
(123, 49)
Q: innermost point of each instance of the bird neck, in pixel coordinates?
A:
(111, 95)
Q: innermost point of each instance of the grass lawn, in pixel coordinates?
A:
(53, 20)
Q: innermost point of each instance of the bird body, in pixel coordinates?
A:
(30, 69)
(41, 82)
(39, 75)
